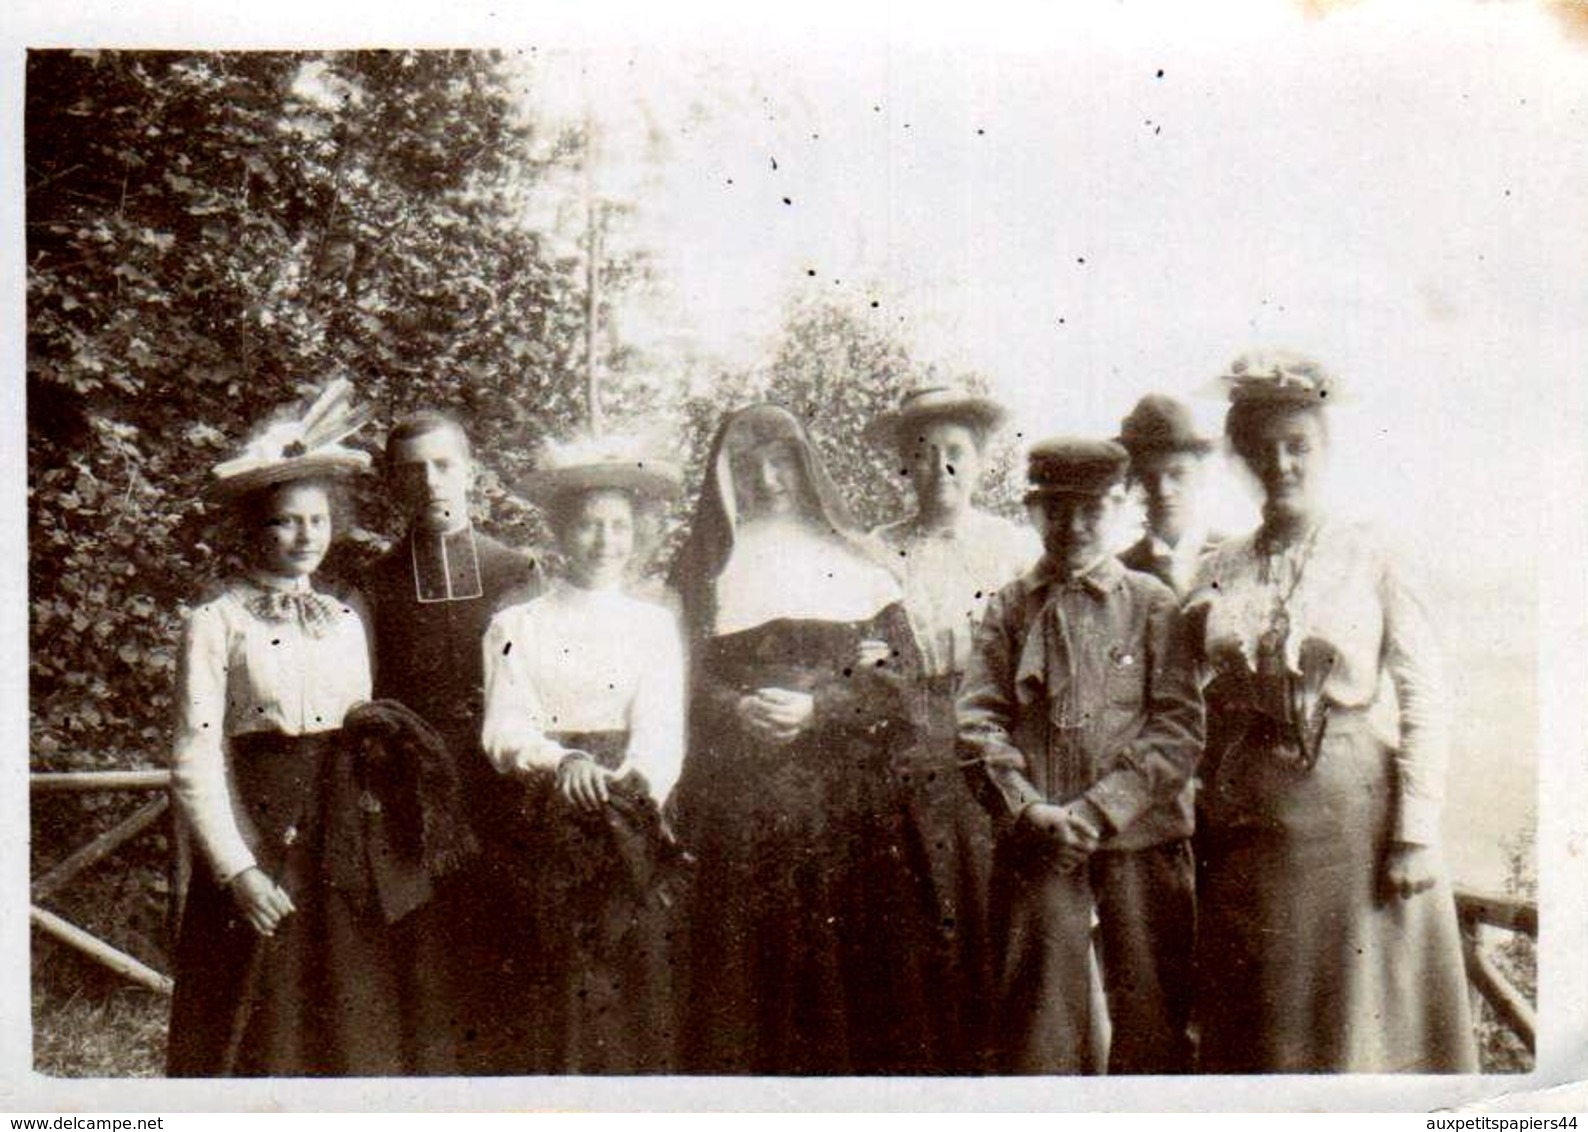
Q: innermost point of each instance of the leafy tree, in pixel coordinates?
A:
(212, 235)
(838, 368)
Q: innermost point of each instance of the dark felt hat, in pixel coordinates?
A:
(1073, 466)
(1160, 424)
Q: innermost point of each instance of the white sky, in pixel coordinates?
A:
(1395, 189)
(1398, 189)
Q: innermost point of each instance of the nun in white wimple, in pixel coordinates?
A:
(804, 670)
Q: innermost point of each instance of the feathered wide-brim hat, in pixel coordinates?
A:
(611, 463)
(937, 403)
(298, 448)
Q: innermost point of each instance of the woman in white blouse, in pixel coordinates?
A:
(584, 702)
(951, 558)
(1327, 932)
(275, 975)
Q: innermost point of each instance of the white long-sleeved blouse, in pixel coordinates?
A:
(574, 660)
(1355, 599)
(950, 574)
(241, 673)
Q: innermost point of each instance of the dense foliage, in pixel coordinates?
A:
(209, 237)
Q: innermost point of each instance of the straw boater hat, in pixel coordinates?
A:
(620, 463)
(937, 403)
(298, 448)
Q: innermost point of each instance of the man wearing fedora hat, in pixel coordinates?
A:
(1080, 722)
(432, 596)
(1168, 460)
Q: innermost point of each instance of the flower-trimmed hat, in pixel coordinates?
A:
(936, 403)
(1071, 466)
(298, 448)
(619, 463)
(1279, 377)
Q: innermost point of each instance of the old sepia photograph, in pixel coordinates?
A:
(845, 555)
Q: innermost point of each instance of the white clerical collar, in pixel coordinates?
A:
(446, 565)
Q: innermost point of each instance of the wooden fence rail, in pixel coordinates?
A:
(1508, 913)
(1474, 908)
(86, 856)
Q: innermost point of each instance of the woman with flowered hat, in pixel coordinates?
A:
(320, 818)
(951, 557)
(1328, 936)
(584, 702)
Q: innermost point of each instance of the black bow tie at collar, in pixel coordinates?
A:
(315, 612)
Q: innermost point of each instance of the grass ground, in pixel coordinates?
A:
(100, 1028)
(108, 1029)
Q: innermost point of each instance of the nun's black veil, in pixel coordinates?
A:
(711, 534)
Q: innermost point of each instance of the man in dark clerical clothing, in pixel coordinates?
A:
(1168, 464)
(432, 596)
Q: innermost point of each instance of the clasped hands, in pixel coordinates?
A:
(1072, 830)
(779, 716)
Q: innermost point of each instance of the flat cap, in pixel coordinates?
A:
(1074, 466)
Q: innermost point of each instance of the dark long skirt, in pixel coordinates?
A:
(1305, 964)
(949, 848)
(332, 993)
(605, 893)
(800, 959)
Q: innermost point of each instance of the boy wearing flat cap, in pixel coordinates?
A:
(1080, 722)
(1168, 459)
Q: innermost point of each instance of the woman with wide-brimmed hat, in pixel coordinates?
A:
(584, 701)
(320, 818)
(951, 557)
(803, 694)
(1328, 937)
